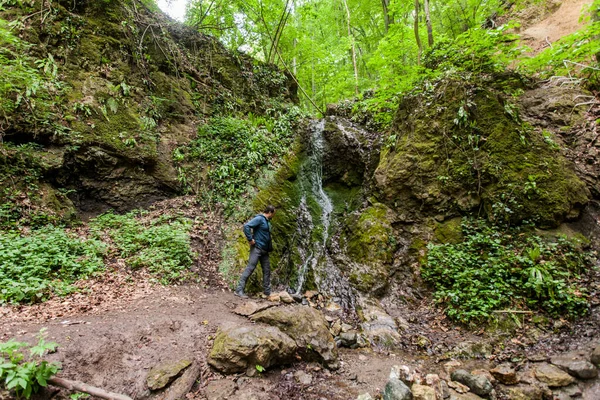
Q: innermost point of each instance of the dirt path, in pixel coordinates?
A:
(562, 22)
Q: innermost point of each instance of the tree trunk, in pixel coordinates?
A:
(352, 47)
(386, 14)
(428, 22)
(416, 28)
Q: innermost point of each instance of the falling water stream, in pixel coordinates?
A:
(315, 254)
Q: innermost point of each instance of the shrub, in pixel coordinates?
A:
(494, 268)
(45, 261)
(161, 245)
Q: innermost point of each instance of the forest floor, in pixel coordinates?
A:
(122, 324)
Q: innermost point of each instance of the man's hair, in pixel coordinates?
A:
(269, 209)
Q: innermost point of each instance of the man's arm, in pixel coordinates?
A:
(252, 224)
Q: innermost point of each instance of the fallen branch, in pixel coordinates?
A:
(184, 383)
(85, 388)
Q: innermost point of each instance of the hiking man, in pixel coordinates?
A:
(258, 234)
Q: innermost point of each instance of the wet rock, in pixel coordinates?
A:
(576, 364)
(422, 392)
(395, 389)
(236, 348)
(250, 307)
(478, 384)
(552, 375)
(221, 389)
(307, 327)
(303, 378)
(524, 392)
(161, 375)
(506, 374)
(595, 357)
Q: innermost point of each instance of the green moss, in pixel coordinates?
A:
(449, 231)
(476, 153)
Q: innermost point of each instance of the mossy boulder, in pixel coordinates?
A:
(461, 147)
(449, 231)
(369, 241)
(237, 348)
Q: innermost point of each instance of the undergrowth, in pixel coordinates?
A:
(26, 375)
(46, 261)
(162, 245)
(495, 268)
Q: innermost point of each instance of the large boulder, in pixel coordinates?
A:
(377, 324)
(395, 389)
(478, 384)
(576, 365)
(307, 326)
(237, 348)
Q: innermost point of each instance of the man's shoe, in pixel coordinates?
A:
(241, 294)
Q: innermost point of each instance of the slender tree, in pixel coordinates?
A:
(416, 29)
(428, 22)
(352, 46)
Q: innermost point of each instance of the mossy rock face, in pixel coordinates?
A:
(449, 231)
(461, 147)
(370, 243)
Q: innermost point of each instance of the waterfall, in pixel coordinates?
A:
(314, 252)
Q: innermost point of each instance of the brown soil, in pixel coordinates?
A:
(564, 21)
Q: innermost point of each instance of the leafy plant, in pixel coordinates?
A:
(495, 268)
(26, 377)
(161, 245)
(44, 261)
(260, 368)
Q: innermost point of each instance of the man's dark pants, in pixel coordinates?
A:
(257, 254)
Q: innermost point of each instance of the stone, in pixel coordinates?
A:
(458, 387)
(595, 356)
(378, 325)
(403, 373)
(576, 365)
(250, 307)
(336, 328)
(348, 339)
(303, 378)
(274, 297)
(478, 384)
(309, 294)
(308, 327)
(236, 348)
(451, 366)
(395, 389)
(364, 396)
(346, 327)
(422, 392)
(552, 375)
(285, 297)
(463, 396)
(221, 389)
(505, 374)
(524, 392)
(486, 373)
(570, 391)
(161, 375)
(440, 387)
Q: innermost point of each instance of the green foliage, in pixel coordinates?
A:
(26, 377)
(44, 261)
(494, 268)
(161, 245)
(229, 153)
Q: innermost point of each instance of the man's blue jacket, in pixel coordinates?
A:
(259, 229)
